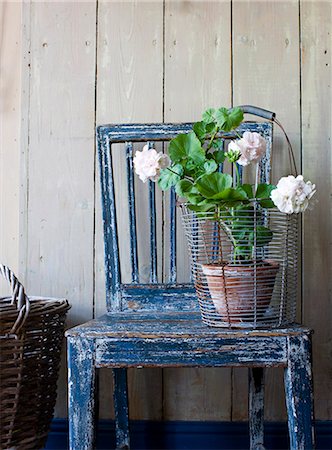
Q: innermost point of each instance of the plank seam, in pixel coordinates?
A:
(301, 164)
(232, 54)
(163, 209)
(25, 140)
(95, 169)
(232, 100)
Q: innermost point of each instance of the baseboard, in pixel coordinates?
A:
(189, 435)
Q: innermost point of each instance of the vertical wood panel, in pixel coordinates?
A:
(60, 169)
(197, 76)
(266, 74)
(10, 120)
(316, 19)
(129, 89)
(57, 142)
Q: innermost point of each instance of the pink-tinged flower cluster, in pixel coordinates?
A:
(292, 194)
(149, 162)
(251, 148)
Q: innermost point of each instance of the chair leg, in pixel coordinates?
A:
(81, 391)
(256, 408)
(121, 408)
(299, 396)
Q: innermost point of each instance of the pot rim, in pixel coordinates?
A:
(229, 269)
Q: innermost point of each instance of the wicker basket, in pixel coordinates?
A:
(31, 332)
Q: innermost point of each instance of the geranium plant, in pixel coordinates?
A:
(192, 168)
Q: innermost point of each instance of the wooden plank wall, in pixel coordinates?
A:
(105, 61)
(10, 120)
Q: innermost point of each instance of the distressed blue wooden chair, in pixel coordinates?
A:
(159, 324)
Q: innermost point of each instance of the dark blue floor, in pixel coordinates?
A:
(189, 435)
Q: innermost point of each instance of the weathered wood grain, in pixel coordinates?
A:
(10, 121)
(187, 351)
(316, 63)
(256, 408)
(266, 72)
(299, 395)
(121, 408)
(129, 89)
(161, 297)
(81, 393)
(197, 64)
(60, 167)
(171, 324)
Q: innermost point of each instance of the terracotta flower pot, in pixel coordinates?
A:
(233, 289)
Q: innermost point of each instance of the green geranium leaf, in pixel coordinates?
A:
(239, 232)
(242, 251)
(214, 183)
(170, 176)
(186, 146)
(185, 187)
(235, 117)
(190, 165)
(231, 194)
(202, 208)
(208, 115)
(228, 119)
(219, 156)
(266, 203)
(221, 117)
(204, 130)
(210, 128)
(248, 190)
(194, 199)
(218, 144)
(264, 190)
(245, 211)
(199, 129)
(263, 236)
(210, 166)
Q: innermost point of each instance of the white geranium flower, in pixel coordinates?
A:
(252, 147)
(149, 162)
(233, 151)
(292, 194)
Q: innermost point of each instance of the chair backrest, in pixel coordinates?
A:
(152, 294)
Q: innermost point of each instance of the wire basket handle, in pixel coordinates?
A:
(19, 298)
(269, 115)
(256, 111)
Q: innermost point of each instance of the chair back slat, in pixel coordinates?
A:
(152, 294)
(265, 163)
(132, 213)
(172, 236)
(240, 170)
(111, 245)
(160, 297)
(153, 232)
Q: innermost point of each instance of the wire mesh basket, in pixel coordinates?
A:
(31, 333)
(244, 265)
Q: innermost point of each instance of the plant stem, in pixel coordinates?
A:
(227, 230)
(237, 175)
(211, 140)
(219, 236)
(185, 176)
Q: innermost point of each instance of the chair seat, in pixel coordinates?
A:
(146, 339)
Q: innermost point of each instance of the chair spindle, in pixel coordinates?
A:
(132, 213)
